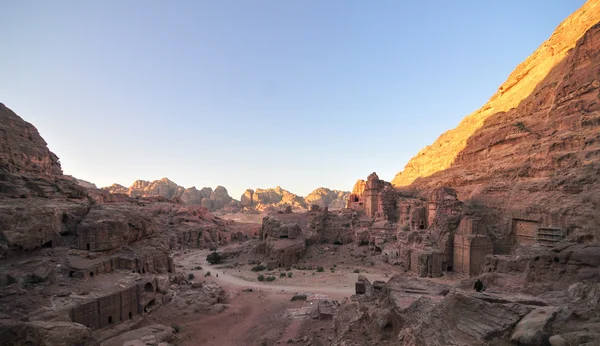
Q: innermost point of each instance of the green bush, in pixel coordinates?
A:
(176, 327)
(320, 269)
(214, 258)
(356, 271)
(207, 274)
(281, 275)
(270, 278)
(258, 268)
(289, 274)
(261, 277)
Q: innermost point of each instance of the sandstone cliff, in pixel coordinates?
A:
(325, 197)
(212, 200)
(534, 148)
(266, 199)
(519, 85)
(23, 149)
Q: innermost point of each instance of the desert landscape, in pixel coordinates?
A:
(489, 236)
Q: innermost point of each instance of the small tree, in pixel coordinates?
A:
(320, 269)
(281, 275)
(261, 277)
(270, 278)
(207, 274)
(289, 274)
(213, 258)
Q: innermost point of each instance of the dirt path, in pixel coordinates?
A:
(224, 277)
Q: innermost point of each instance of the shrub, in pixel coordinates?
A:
(270, 278)
(176, 327)
(281, 275)
(320, 269)
(521, 126)
(356, 271)
(258, 268)
(213, 249)
(207, 274)
(190, 276)
(198, 268)
(406, 228)
(213, 258)
(289, 274)
(261, 277)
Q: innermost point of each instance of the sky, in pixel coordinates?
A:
(257, 93)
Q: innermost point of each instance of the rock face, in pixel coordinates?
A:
(86, 184)
(211, 200)
(266, 199)
(324, 197)
(520, 84)
(23, 149)
(534, 143)
(277, 198)
(76, 259)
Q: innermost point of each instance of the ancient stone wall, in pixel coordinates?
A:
(115, 307)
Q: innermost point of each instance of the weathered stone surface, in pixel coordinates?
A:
(211, 200)
(23, 150)
(109, 227)
(521, 83)
(39, 333)
(324, 197)
(531, 330)
(534, 143)
(27, 224)
(149, 335)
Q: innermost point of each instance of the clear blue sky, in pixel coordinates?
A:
(250, 94)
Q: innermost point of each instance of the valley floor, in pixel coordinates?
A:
(265, 315)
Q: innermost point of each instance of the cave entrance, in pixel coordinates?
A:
(47, 244)
(130, 315)
(149, 306)
(388, 331)
(148, 287)
(87, 246)
(110, 320)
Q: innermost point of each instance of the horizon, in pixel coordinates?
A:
(253, 90)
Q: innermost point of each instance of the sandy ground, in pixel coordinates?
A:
(260, 317)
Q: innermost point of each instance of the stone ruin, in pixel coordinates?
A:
(428, 236)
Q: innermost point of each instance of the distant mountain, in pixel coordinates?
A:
(263, 199)
(212, 200)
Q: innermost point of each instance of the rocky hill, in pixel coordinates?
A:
(266, 199)
(259, 200)
(212, 200)
(58, 238)
(522, 83)
(535, 146)
(325, 197)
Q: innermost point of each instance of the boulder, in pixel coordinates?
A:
(531, 330)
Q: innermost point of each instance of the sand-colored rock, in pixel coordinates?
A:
(211, 200)
(519, 85)
(324, 197)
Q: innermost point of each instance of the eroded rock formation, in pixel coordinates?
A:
(211, 200)
(534, 143)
